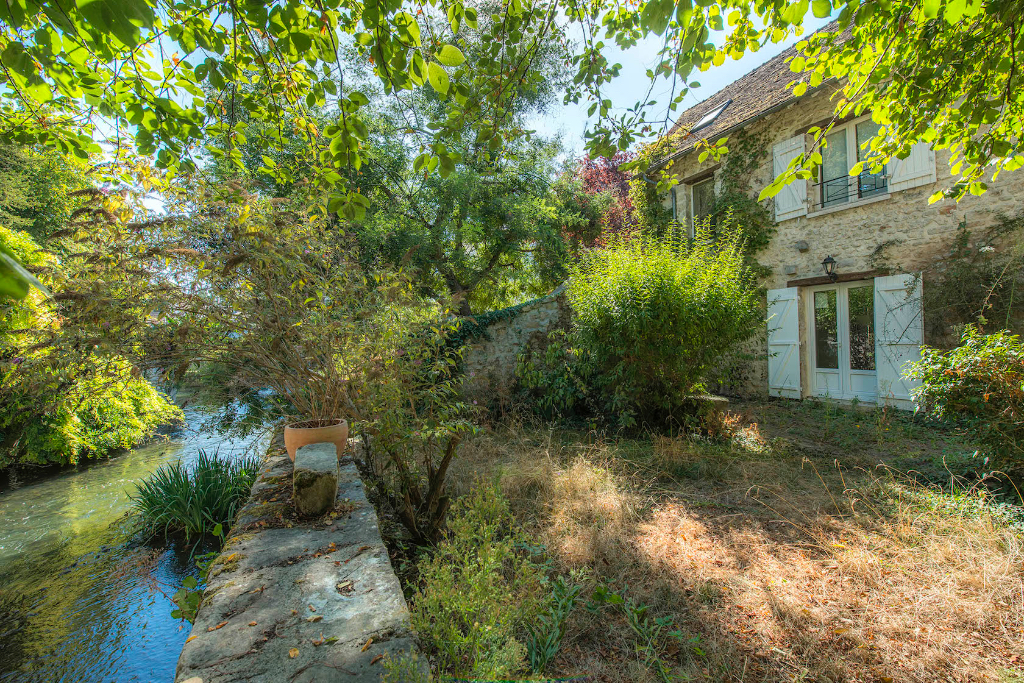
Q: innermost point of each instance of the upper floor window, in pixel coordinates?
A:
(844, 147)
(702, 202)
(833, 188)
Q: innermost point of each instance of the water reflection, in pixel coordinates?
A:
(77, 602)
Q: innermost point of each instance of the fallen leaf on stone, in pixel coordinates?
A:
(293, 653)
(376, 659)
(369, 641)
(220, 625)
(190, 639)
(252, 623)
(312, 609)
(315, 618)
(345, 587)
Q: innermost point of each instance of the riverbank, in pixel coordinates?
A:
(78, 600)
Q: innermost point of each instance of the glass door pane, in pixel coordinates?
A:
(862, 327)
(826, 330)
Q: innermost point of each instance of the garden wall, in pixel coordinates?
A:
(298, 600)
(500, 336)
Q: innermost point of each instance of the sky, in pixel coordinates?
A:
(570, 121)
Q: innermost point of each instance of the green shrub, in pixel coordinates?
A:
(980, 382)
(61, 401)
(480, 591)
(197, 500)
(654, 320)
(108, 411)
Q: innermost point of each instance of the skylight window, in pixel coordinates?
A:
(711, 116)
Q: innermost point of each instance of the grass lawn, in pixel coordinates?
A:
(817, 543)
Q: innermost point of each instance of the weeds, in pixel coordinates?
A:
(194, 500)
(479, 591)
(653, 636)
(784, 553)
(544, 640)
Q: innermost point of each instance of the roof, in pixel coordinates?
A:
(753, 95)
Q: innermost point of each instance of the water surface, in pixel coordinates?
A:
(78, 601)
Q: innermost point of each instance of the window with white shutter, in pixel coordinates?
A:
(916, 170)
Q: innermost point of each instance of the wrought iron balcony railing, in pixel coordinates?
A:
(839, 191)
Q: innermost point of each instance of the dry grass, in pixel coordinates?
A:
(791, 559)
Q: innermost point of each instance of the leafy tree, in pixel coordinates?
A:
(133, 73)
(607, 177)
(485, 233)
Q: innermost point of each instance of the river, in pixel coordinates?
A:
(78, 601)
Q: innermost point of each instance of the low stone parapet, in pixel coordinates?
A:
(294, 599)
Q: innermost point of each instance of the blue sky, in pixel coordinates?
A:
(570, 121)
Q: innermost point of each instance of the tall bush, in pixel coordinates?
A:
(65, 391)
(654, 318)
(980, 382)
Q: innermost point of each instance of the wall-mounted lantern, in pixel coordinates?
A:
(829, 264)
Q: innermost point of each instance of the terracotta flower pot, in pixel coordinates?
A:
(299, 434)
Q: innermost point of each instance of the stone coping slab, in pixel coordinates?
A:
(293, 600)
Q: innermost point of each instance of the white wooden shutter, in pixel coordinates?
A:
(791, 201)
(916, 170)
(783, 343)
(899, 333)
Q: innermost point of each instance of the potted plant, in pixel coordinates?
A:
(293, 328)
(315, 430)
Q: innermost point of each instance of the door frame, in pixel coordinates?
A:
(844, 372)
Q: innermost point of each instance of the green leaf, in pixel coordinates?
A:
(449, 55)
(447, 166)
(438, 78)
(14, 279)
(656, 14)
(821, 8)
(121, 18)
(931, 8)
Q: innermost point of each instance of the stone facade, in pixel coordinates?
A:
(490, 360)
(912, 233)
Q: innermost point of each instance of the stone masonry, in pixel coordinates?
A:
(294, 600)
(490, 361)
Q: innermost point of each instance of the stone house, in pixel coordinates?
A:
(844, 338)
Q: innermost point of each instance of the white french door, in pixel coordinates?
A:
(841, 330)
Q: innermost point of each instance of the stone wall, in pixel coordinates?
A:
(912, 233)
(490, 359)
(298, 600)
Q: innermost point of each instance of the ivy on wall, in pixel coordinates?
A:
(978, 281)
(747, 153)
(473, 328)
(735, 197)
